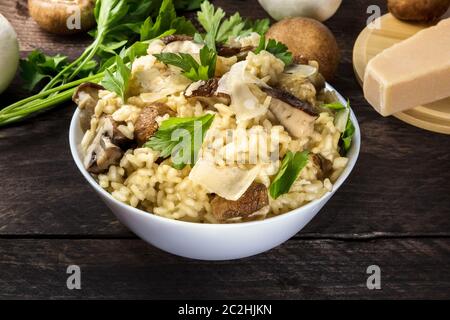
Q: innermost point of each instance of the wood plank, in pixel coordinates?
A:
(410, 269)
(399, 186)
(31, 36)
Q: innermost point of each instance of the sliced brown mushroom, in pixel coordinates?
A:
(239, 52)
(146, 124)
(295, 115)
(254, 199)
(323, 166)
(62, 16)
(102, 152)
(176, 37)
(86, 97)
(206, 91)
(118, 138)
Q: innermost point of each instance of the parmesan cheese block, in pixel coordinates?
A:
(410, 73)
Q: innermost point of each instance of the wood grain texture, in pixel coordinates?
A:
(393, 211)
(399, 184)
(416, 268)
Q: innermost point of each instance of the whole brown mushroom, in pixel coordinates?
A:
(308, 40)
(63, 16)
(418, 10)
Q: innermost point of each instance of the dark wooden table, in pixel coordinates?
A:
(394, 210)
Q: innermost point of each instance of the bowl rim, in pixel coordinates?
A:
(353, 152)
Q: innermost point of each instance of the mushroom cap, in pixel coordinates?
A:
(308, 40)
(58, 16)
(418, 10)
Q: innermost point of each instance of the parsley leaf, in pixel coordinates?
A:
(232, 26)
(259, 26)
(220, 31)
(39, 66)
(118, 81)
(191, 68)
(290, 168)
(210, 20)
(181, 138)
(166, 20)
(278, 49)
(343, 123)
(187, 5)
(347, 136)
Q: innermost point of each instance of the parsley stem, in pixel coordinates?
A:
(39, 105)
(54, 80)
(92, 52)
(94, 78)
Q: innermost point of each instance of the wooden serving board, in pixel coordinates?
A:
(371, 41)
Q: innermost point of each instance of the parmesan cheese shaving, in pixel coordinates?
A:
(228, 182)
(189, 47)
(244, 103)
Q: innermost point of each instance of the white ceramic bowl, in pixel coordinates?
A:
(212, 241)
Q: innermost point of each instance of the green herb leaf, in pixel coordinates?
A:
(290, 168)
(181, 138)
(39, 66)
(231, 27)
(187, 5)
(166, 20)
(278, 49)
(118, 81)
(219, 30)
(210, 20)
(334, 106)
(259, 26)
(345, 142)
(191, 68)
(347, 137)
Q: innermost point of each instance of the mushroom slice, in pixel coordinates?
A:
(102, 152)
(206, 91)
(239, 52)
(295, 115)
(86, 97)
(118, 138)
(302, 80)
(146, 124)
(253, 200)
(181, 43)
(60, 16)
(323, 166)
(176, 37)
(309, 71)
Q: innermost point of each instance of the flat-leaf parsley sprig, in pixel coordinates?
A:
(278, 49)
(191, 68)
(181, 138)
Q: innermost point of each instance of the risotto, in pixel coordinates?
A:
(268, 141)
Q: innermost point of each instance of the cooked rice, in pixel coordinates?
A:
(142, 182)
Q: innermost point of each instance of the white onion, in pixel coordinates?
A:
(317, 9)
(9, 53)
